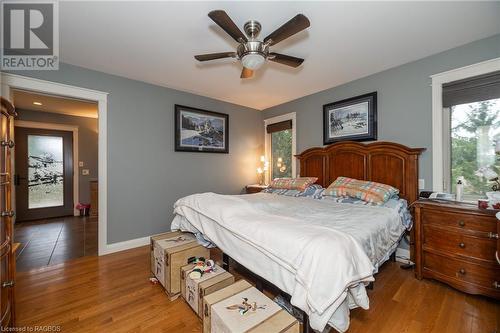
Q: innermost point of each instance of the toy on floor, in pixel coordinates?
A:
(201, 267)
(153, 280)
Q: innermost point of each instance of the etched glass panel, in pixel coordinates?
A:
(45, 171)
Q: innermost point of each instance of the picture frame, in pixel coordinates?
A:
(202, 131)
(352, 119)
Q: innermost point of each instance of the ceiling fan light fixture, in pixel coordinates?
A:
(253, 61)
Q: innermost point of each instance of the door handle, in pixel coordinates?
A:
(17, 179)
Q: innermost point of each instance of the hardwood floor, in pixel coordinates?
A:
(53, 241)
(113, 294)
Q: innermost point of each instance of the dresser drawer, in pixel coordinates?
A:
(469, 222)
(485, 276)
(459, 243)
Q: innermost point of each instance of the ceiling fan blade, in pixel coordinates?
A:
(296, 24)
(213, 56)
(246, 73)
(285, 59)
(224, 21)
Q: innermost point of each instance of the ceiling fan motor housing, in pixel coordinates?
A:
(252, 29)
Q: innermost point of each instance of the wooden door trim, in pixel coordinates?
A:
(11, 81)
(67, 128)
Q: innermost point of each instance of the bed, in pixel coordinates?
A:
(322, 253)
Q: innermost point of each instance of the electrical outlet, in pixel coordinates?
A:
(80, 164)
(421, 184)
(85, 172)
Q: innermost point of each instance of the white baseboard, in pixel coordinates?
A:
(403, 255)
(125, 245)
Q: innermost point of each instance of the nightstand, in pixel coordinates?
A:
(254, 188)
(456, 243)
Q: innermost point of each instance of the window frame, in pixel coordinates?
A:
(441, 152)
(267, 142)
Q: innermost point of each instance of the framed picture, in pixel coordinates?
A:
(199, 130)
(352, 119)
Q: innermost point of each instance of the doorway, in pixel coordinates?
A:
(56, 165)
(44, 173)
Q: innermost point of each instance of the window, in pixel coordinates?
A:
(471, 134)
(280, 146)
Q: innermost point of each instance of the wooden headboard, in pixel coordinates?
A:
(384, 162)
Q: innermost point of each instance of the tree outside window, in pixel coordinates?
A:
(475, 129)
(281, 148)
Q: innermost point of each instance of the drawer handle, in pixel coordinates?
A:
(7, 214)
(496, 285)
(8, 284)
(462, 245)
(492, 235)
(461, 223)
(9, 144)
(462, 271)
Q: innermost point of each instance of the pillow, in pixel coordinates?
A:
(313, 191)
(300, 183)
(365, 190)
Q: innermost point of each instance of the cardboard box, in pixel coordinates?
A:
(221, 313)
(193, 291)
(169, 252)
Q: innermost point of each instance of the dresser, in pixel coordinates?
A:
(7, 247)
(456, 243)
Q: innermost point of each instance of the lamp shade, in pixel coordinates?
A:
(252, 61)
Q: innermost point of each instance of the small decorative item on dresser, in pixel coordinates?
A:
(254, 188)
(456, 243)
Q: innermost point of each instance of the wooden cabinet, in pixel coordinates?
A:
(7, 249)
(94, 198)
(456, 243)
(256, 188)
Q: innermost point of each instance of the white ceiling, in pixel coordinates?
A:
(54, 104)
(155, 42)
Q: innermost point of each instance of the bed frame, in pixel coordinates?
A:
(384, 162)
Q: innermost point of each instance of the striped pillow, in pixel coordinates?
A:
(365, 190)
(300, 183)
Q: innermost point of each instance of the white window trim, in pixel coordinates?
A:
(438, 152)
(267, 140)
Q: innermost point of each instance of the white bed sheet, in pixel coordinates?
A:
(378, 237)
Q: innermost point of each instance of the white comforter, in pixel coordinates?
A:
(321, 248)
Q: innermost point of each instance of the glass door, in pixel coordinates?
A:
(44, 173)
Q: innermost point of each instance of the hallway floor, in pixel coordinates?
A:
(53, 241)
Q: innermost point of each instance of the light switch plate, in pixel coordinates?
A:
(421, 184)
(80, 164)
(85, 172)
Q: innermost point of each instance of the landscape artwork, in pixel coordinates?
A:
(200, 130)
(351, 119)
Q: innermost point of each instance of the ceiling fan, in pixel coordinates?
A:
(252, 52)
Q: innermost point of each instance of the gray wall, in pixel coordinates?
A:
(87, 142)
(404, 100)
(145, 175)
